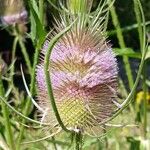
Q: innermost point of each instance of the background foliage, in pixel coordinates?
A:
(129, 130)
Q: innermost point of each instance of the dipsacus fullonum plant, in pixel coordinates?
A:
(83, 72)
(12, 11)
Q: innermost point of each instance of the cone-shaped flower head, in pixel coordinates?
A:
(12, 11)
(83, 74)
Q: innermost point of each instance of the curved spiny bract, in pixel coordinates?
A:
(83, 72)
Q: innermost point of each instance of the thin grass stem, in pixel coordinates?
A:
(145, 102)
(127, 28)
(12, 68)
(25, 54)
(122, 45)
(139, 22)
(41, 10)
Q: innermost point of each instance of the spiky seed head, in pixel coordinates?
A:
(83, 72)
(12, 11)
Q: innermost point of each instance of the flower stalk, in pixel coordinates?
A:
(78, 141)
(12, 59)
(25, 54)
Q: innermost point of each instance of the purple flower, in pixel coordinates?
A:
(83, 72)
(12, 11)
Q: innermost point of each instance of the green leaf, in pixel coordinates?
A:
(127, 52)
(38, 32)
(148, 53)
(35, 6)
(134, 143)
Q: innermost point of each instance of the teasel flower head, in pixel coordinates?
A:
(83, 73)
(12, 12)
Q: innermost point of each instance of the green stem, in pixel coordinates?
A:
(139, 22)
(41, 10)
(145, 102)
(122, 45)
(9, 135)
(12, 59)
(53, 4)
(25, 54)
(13, 53)
(78, 141)
(54, 143)
(122, 88)
(25, 112)
(127, 28)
